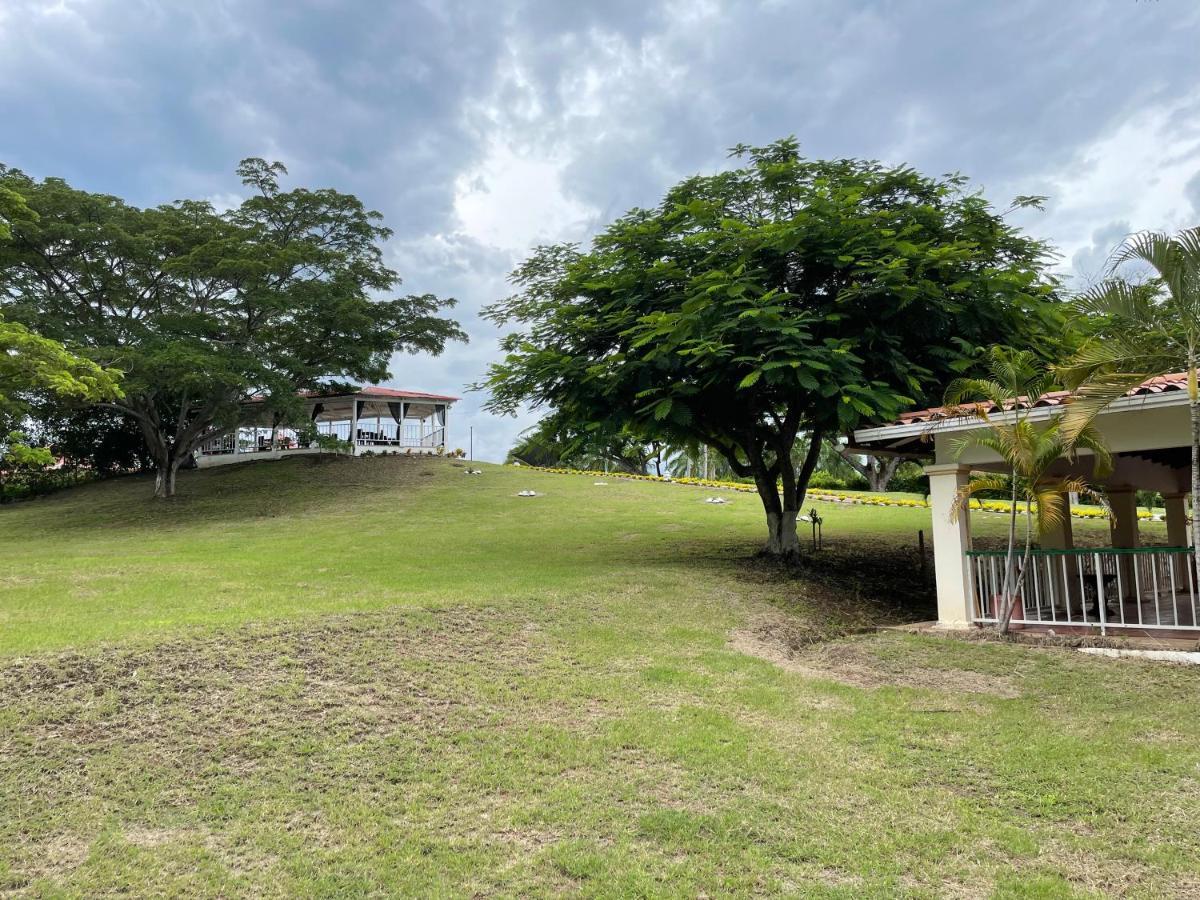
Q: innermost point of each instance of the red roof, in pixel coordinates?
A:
(1160, 384)
(371, 390)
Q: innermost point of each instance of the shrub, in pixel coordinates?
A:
(829, 481)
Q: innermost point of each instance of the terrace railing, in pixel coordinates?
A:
(1142, 588)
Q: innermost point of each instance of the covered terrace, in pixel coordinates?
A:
(1126, 588)
(369, 420)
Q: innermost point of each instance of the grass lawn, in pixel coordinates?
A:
(384, 676)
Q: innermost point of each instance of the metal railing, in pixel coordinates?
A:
(1143, 588)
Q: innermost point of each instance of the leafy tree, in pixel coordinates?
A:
(690, 459)
(1141, 330)
(785, 296)
(553, 443)
(877, 470)
(30, 363)
(204, 310)
(13, 208)
(92, 437)
(1028, 450)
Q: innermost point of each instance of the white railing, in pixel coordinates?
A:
(1143, 588)
(403, 436)
(250, 440)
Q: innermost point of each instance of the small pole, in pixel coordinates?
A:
(921, 548)
(471, 445)
(1101, 596)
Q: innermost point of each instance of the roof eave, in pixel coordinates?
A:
(890, 433)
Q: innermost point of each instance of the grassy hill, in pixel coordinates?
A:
(386, 676)
(259, 541)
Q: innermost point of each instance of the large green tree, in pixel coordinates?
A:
(783, 296)
(203, 310)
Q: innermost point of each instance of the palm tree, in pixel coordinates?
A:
(1144, 330)
(1015, 380)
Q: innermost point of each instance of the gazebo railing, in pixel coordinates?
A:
(1142, 588)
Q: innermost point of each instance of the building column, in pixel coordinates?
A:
(1061, 577)
(1177, 528)
(951, 541)
(1124, 532)
(1061, 537)
(1124, 527)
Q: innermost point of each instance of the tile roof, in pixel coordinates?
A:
(1160, 384)
(371, 390)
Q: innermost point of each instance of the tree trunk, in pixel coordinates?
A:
(782, 539)
(881, 471)
(878, 470)
(1006, 595)
(164, 477)
(1019, 578)
(782, 490)
(1194, 403)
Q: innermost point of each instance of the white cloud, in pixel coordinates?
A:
(514, 201)
(1138, 173)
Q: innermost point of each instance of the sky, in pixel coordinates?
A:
(482, 129)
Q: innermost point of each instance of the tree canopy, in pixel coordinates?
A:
(202, 310)
(782, 296)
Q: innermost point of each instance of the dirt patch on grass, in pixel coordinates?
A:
(851, 659)
(233, 708)
(351, 674)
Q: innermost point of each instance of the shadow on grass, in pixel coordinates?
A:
(849, 583)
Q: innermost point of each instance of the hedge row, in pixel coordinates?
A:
(998, 506)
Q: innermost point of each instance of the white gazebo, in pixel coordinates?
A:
(371, 420)
(1126, 588)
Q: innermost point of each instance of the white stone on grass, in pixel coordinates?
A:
(1176, 656)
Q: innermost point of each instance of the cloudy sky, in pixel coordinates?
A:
(483, 127)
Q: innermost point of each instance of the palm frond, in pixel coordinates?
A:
(1151, 247)
(1089, 438)
(991, 482)
(1116, 298)
(1093, 397)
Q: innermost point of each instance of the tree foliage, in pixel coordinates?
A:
(203, 310)
(785, 295)
(553, 443)
(32, 364)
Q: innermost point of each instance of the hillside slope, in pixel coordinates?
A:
(270, 540)
(262, 541)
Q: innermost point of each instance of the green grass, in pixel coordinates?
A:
(357, 678)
